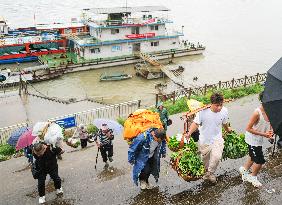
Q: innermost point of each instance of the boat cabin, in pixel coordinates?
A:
(125, 31)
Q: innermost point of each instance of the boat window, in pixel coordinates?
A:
(114, 31)
(95, 50)
(67, 30)
(155, 43)
(79, 30)
(116, 48)
(154, 28)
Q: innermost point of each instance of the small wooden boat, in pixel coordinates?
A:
(115, 77)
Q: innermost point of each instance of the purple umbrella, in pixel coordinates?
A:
(16, 135)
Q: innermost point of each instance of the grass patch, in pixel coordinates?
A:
(181, 104)
(6, 151)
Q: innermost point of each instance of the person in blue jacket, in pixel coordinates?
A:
(144, 154)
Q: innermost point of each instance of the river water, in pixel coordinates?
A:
(242, 37)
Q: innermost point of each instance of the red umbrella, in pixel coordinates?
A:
(25, 140)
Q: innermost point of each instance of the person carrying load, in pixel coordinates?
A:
(144, 132)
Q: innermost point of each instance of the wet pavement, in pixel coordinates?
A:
(84, 185)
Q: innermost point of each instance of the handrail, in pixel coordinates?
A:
(85, 117)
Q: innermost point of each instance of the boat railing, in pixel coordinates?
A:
(132, 21)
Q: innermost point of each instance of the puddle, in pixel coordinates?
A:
(61, 201)
(110, 173)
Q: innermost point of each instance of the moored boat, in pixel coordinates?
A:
(115, 77)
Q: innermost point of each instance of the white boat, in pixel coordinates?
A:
(7, 77)
(123, 32)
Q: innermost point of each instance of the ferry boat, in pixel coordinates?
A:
(117, 33)
(27, 44)
(103, 37)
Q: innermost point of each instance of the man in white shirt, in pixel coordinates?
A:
(211, 143)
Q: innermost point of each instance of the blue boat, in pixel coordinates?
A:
(19, 60)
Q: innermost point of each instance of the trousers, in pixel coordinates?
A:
(211, 154)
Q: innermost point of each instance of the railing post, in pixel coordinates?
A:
(257, 78)
(232, 83)
(205, 89)
(189, 93)
(245, 81)
(219, 85)
(157, 100)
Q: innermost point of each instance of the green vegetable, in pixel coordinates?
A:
(173, 144)
(192, 146)
(191, 164)
(121, 121)
(174, 156)
(234, 146)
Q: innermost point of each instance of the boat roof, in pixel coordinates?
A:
(115, 10)
(59, 25)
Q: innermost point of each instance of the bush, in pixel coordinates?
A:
(7, 150)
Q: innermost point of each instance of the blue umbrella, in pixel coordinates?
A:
(16, 135)
(114, 125)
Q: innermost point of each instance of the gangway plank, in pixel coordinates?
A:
(173, 75)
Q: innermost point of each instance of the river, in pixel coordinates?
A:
(242, 37)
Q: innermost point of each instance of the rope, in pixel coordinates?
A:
(36, 89)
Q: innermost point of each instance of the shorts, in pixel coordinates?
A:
(256, 154)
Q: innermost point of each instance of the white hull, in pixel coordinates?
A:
(76, 68)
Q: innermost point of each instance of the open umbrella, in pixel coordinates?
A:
(114, 125)
(272, 96)
(16, 135)
(25, 140)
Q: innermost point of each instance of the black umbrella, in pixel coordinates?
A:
(272, 97)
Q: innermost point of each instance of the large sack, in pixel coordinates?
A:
(139, 122)
(54, 134)
(38, 128)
